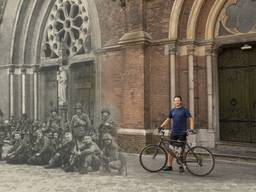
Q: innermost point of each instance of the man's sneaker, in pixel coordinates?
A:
(181, 169)
(167, 168)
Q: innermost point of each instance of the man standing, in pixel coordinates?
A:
(179, 116)
(80, 123)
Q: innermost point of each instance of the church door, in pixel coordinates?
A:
(237, 94)
(82, 87)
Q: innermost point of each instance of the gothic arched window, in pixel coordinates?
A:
(68, 23)
(237, 17)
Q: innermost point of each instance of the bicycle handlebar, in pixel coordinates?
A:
(189, 131)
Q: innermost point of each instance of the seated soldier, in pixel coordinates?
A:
(42, 150)
(87, 156)
(18, 153)
(62, 154)
(111, 157)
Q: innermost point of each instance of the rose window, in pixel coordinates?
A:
(68, 23)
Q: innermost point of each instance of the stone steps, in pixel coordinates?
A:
(235, 151)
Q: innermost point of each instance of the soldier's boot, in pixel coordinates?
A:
(122, 171)
(69, 168)
(83, 170)
(1, 152)
(52, 164)
(106, 169)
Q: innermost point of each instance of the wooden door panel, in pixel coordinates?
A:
(253, 103)
(83, 87)
(235, 96)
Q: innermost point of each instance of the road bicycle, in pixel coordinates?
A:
(198, 160)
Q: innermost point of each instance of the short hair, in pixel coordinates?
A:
(178, 96)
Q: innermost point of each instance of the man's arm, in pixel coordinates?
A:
(191, 123)
(165, 123)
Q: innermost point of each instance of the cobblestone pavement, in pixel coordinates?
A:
(227, 176)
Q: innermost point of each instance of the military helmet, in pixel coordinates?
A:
(54, 110)
(78, 106)
(107, 136)
(105, 110)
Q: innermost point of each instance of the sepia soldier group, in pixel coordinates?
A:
(75, 147)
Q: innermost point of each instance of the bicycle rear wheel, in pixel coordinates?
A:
(199, 161)
(153, 158)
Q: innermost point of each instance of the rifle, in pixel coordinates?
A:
(74, 157)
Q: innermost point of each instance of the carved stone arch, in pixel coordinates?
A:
(212, 19)
(28, 32)
(193, 18)
(174, 19)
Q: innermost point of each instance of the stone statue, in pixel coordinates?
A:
(62, 85)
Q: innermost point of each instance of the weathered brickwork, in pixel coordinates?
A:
(185, 12)
(203, 15)
(131, 51)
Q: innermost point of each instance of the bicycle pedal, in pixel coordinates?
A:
(181, 169)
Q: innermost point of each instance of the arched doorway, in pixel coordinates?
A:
(69, 40)
(237, 93)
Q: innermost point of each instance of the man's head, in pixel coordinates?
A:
(54, 112)
(68, 136)
(105, 113)
(55, 135)
(107, 138)
(49, 135)
(17, 136)
(178, 101)
(78, 108)
(87, 140)
(39, 133)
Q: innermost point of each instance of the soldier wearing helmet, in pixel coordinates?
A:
(112, 158)
(80, 123)
(106, 126)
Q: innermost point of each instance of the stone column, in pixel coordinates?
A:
(172, 68)
(11, 77)
(35, 92)
(23, 90)
(191, 86)
(209, 86)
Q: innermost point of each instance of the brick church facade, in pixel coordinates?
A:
(133, 58)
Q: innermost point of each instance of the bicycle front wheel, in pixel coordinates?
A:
(199, 161)
(153, 158)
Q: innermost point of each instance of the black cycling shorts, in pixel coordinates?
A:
(175, 138)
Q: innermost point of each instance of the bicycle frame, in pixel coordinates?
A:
(165, 144)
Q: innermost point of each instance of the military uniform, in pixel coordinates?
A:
(54, 124)
(18, 154)
(107, 126)
(89, 157)
(42, 152)
(62, 155)
(112, 157)
(80, 124)
(2, 136)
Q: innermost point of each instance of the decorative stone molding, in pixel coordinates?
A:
(135, 37)
(174, 19)
(2, 8)
(191, 49)
(68, 22)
